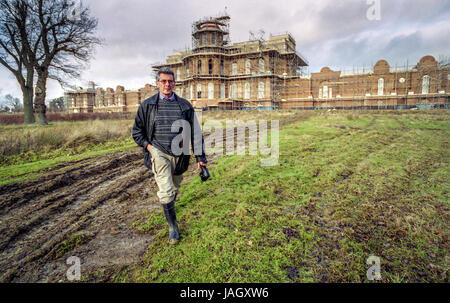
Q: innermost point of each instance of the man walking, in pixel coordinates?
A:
(160, 121)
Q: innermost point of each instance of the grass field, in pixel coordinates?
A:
(348, 185)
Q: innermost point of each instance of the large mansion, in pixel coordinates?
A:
(267, 74)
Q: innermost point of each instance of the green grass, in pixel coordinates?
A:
(69, 244)
(347, 187)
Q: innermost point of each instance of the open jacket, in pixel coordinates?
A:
(145, 121)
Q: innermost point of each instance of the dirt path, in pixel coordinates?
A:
(98, 198)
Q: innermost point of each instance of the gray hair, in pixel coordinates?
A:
(165, 70)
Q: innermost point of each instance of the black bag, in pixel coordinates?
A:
(182, 164)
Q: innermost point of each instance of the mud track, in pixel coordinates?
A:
(98, 198)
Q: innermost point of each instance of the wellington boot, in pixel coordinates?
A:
(169, 214)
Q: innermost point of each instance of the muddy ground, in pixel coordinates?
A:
(98, 199)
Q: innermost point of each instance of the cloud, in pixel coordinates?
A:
(138, 33)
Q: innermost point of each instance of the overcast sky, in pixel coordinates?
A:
(335, 33)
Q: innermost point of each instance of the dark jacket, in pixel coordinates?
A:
(145, 122)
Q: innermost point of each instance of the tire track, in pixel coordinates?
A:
(28, 240)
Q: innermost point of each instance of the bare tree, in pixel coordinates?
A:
(16, 30)
(65, 44)
(43, 35)
(13, 103)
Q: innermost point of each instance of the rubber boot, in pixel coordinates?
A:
(164, 214)
(171, 218)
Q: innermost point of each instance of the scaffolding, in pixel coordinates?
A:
(271, 74)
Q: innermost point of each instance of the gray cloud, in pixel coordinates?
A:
(328, 33)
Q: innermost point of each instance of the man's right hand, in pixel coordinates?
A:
(148, 147)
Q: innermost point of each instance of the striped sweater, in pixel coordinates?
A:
(168, 113)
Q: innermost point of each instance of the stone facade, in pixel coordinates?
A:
(100, 100)
(425, 83)
(267, 74)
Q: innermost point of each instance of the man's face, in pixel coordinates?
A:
(165, 84)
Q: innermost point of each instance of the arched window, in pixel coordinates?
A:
(199, 91)
(210, 90)
(247, 67)
(261, 65)
(247, 91)
(260, 90)
(210, 66)
(425, 84)
(380, 87)
(199, 67)
(234, 69)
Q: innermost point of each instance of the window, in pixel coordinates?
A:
(210, 66)
(261, 90)
(210, 91)
(325, 91)
(199, 91)
(191, 93)
(199, 67)
(261, 65)
(234, 69)
(380, 87)
(222, 91)
(205, 38)
(178, 74)
(213, 38)
(425, 84)
(187, 73)
(320, 93)
(330, 92)
(247, 91)
(247, 67)
(221, 67)
(233, 91)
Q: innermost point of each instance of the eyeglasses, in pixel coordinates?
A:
(167, 81)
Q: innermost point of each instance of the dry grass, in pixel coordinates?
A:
(16, 141)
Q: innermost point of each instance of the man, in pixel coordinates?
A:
(156, 129)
